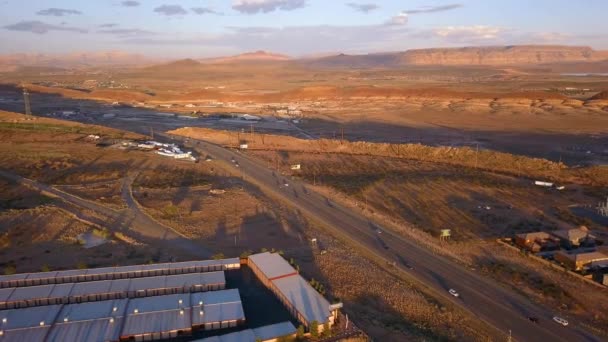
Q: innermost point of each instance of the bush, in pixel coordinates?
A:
(314, 329)
(218, 256)
(300, 333)
(10, 269)
(45, 268)
(81, 265)
(326, 330)
(246, 253)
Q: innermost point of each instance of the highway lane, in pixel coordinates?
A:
(502, 308)
(497, 305)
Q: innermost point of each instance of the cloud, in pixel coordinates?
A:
(170, 10)
(365, 8)
(108, 25)
(130, 3)
(469, 33)
(205, 10)
(40, 27)
(433, 9)
(398, 20)
(58, 12)
(292, 40)
(127, 32)
(265, 6)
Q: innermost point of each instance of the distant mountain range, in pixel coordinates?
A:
(467, 56)
(73, 60)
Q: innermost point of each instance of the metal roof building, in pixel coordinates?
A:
(29, 324)
(306, 301)
(302, 301)
(272, 265)
(66, 293)
(265, 333)
(157, 318)
(94, 321)
(217, 309)
(121, 272)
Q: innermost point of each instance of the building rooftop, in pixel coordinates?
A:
(265, 333)
(119, 287)
(572, 234)
(272, 265)
(534, 235)
(275, 330)
(306, 300)
(134, 271)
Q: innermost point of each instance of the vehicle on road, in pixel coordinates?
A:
(232, 159)
(533, 319)
(208, 158)
(454, 293)
(560, 321)
(378, 231)
(285, 184)
(409, 267)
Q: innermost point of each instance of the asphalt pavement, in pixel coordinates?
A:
(499, 306)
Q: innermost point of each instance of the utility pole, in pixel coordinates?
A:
(152, 132)
(26, 100)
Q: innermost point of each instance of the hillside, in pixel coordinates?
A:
(502, 55)
(467, 56)
(257, 56)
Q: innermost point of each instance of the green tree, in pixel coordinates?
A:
(218, 256)
(45, 268)
(314, 329)
(300, 333)
(326, 329)
(10, 269)
(246, 253)
(81, 265)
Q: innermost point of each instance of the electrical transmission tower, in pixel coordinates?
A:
(26, 100)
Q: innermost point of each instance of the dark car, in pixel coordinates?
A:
(533, 319)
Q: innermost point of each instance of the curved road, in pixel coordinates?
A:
(500, 307)
(133, 219)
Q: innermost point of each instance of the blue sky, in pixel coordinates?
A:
(205, 28)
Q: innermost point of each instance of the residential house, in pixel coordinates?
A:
(536, 241)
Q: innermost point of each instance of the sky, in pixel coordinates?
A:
(299, 28)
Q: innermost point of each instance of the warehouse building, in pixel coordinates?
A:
(139, 319)
(21, 297)
(121, 272)
(269, 333)
(217, 310)
(300, 299)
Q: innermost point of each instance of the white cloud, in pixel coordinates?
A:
(468, 33)
(398, 20)
(265, 6)
(365, 8)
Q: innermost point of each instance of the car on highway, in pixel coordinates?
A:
(285, 184)
(454, 293)
(378, 231)
(409, 267)
(533, 319)
(560, 321)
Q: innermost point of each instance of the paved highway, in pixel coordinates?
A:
(497, 305)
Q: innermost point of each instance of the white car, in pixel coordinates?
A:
(453, 293)
(561, 321)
